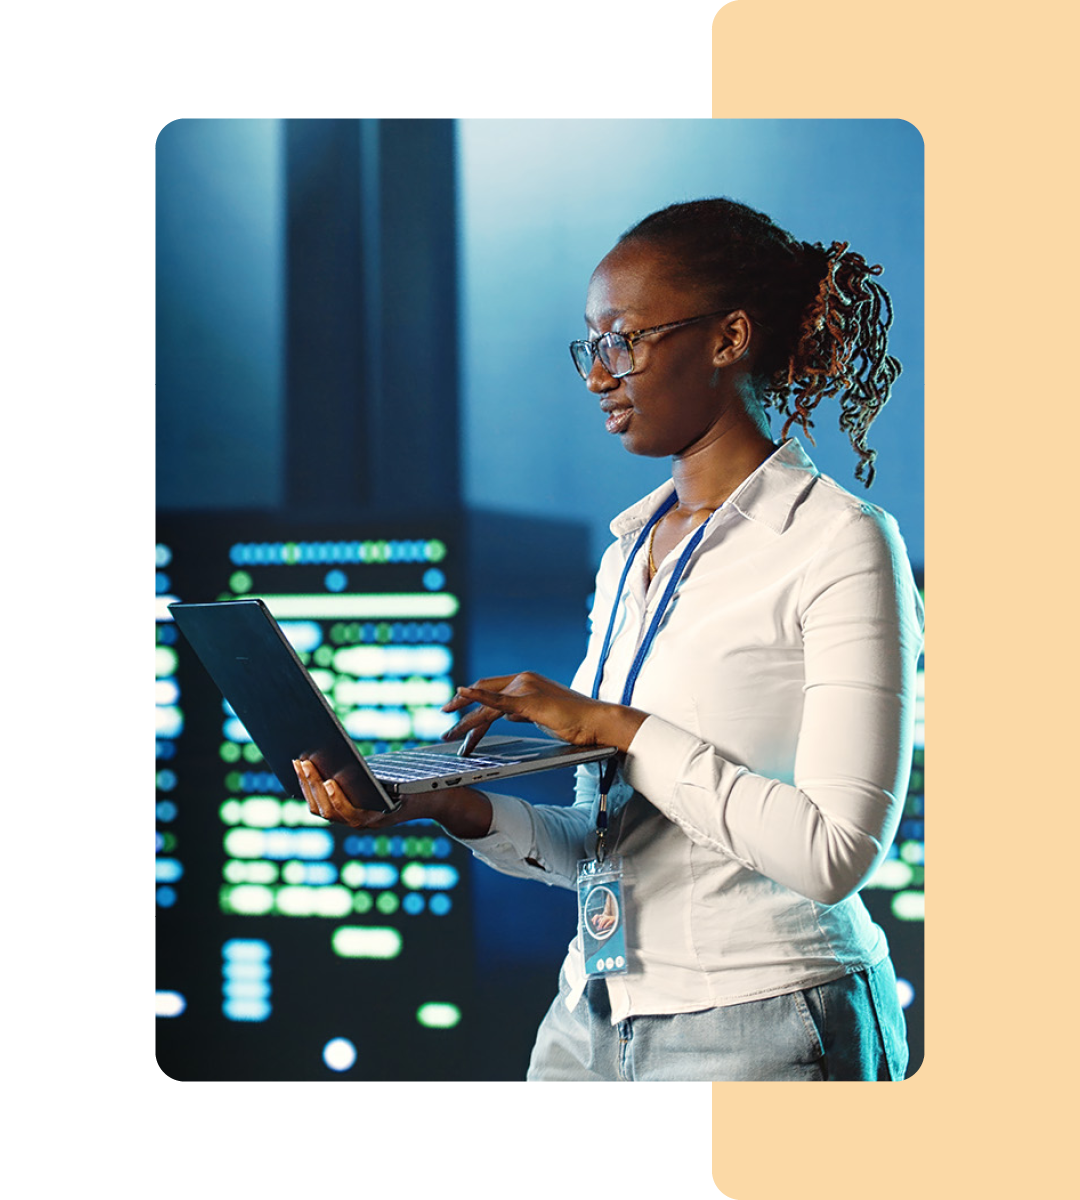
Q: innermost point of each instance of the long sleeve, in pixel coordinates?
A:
(823, 834)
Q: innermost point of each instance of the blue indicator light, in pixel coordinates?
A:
(434, 579)
(166, 811)
(246, 989)
(413, 903)
(162, 583)
(303, 636)
(246, 949)
(244, 970)
(168, 870)
(440, 904)
(166, 897)
(336, 580)
(246, 1010)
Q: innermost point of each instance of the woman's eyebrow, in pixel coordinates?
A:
(607, 314)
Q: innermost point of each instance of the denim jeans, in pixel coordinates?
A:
(851, 1028)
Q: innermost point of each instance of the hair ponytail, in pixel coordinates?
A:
(841, 351)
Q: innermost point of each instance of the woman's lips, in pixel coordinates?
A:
(617, 420)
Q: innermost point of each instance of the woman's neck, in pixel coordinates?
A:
(705, 476)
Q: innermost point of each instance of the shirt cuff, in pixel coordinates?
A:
(655, 758)
(510, 829)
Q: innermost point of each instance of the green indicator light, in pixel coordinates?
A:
(291, 553)
(168, 842)
(324, 655)
(240, 582)
(234, 871)
(261, 812)
(353, 941)
(362, 902)
(231, 812)
(413, 875)
(233, 780)
(251, 753)
(229, 752)
(164, 661)
(909, 906)
(438, 1016)
(252, 900)
(435, 551)
(293, 872)
(911, 852)
(387, 903)
(382, 846)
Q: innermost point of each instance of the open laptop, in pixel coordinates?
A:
(248, 656)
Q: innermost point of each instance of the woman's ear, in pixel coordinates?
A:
(734, 335)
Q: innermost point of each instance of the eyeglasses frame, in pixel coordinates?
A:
(630, 338)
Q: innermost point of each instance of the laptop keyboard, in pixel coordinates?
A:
(403, 766)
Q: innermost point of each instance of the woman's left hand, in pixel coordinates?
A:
(557, 710)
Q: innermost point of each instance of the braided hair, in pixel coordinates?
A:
(824, 316)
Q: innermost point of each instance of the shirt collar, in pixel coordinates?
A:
(768, 495)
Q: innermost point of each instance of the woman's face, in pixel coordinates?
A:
(677, 396)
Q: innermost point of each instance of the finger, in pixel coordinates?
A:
(305, 787)
(494, 683)
(318, 801)
(343, 809)
(503, 702)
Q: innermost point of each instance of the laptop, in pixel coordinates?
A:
(249, 658)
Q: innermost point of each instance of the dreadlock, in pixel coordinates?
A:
(824, 316)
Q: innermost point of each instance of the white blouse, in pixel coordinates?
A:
(766, 785)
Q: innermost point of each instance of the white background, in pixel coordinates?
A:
(87, 88)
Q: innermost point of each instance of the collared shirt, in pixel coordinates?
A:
(765, 786)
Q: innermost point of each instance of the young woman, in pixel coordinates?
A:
(753, 650)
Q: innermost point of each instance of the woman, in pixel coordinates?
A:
(753, 650)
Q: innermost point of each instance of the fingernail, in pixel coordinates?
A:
(306, 768)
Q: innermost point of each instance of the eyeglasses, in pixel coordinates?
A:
(616, 350)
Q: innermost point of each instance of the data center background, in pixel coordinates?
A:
(366, 410)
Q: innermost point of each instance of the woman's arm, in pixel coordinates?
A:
(824, 834)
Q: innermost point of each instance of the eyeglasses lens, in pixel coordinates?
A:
(616, 355)
(582, 355)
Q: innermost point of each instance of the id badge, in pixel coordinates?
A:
(601, 918)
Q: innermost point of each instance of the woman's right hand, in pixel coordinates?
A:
(462, 812)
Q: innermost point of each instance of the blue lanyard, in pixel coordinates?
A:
(635, 667)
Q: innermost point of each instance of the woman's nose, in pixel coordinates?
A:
(599, 379)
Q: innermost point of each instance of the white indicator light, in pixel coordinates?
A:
(352, 941)
(169, 1004)
(375, 661)
(339, 1054)
(303, 636)
(893, 874)
(169, 720)
(905, 993)
(372, 606)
